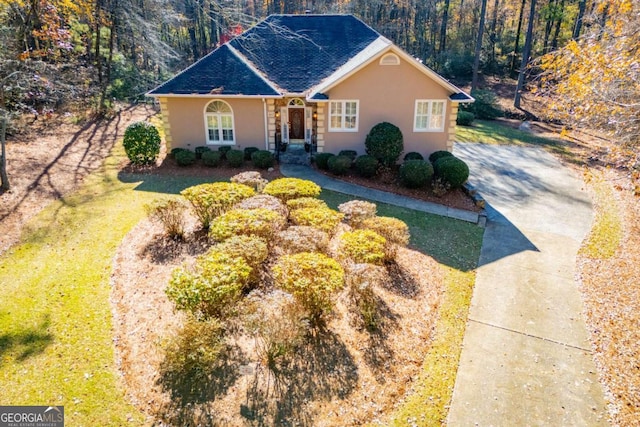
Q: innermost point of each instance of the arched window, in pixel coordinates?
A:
(296, 102)
(219, 122)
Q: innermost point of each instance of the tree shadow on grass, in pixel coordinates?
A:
(322, 370)
(26, 342)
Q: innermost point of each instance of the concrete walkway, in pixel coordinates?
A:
(305, 172)
(526, 358)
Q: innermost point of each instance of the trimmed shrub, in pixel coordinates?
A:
(352, 154)
(392, 229)
(141, 143)
(185, 158)
(249, 222)
(224, 150)
(200, 150)
(486, 105)
(362, 246)
(305, 202)
(339, 165)
(235, 158)
(321, 218)
(173, 151)
(413, 156)
(465, 118)
(385, 143)
(296, 239)
(452, 170)
(211, 287)
(170, 213)
(248, 152)
(415, 173)
(356, 211)
(292, 188)
(264, 201)
(322, 160)
(252, 249)
(312, 279)
(262, 159)
(436, 155)
(366, 166)
(211, 158)
(252, 179)
(210, 200)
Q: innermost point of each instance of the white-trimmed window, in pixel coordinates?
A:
(343, 116)
(218, 118)
(429, 115)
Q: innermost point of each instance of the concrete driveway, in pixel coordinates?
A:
(526, 358)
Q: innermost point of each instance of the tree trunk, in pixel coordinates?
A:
(526, 51)
(443, 27)
(476, 61)
(556, 32)
(514, 58)
(5, 186)
(492, 32)
(582, 5)
(97, 45)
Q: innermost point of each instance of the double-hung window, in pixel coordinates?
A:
(343, 116)
(219, 123)
(429, 115)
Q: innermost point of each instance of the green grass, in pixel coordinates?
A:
(456, 244)
(607, 232)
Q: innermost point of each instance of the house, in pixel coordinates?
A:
(319, 79)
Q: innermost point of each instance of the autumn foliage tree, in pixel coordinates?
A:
(594, 81)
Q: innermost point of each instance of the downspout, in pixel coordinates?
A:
(266, 125)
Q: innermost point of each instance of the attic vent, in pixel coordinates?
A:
(390, 59)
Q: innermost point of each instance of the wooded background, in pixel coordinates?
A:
(85, 53)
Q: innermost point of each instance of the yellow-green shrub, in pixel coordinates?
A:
(210, 200)
(291, 188)
(169, 212)
(356, 211)
(392, 229)
(297, 238)
(306, 202)
(211, 287)
(312, 278)
(264, 201)
(258, 222)
(252, 249)
(324, 219)
(362, 246)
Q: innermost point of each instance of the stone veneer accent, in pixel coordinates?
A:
(164, 110)
(452, 126)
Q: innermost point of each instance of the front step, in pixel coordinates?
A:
(295, 155)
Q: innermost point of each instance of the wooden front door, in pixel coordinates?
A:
(296, 124)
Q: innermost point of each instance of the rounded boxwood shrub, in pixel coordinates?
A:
(392, 229)
(366, 166)
(292, 188)
(362, 246)
(251, 178)
(259, 222)
(252, 249)
(413, 156)
(415, 173)
(433, 157)
(465, 118)
(306, 202)
(141, 143)
(452, 170)
(352, 154)
(200, 150)
(248, 152)
(322, 160)
(235, 158)
(185, 158)
(385, 143)
(211, 158)
(213, 285)
(356, 211)
(262, 159)
(324, 219)
(339, 165)
(224, 150)
(173, 151)
(300, 238)
(211, 200)
(312, 278)
(264, 201)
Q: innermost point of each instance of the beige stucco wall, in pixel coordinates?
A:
(387, 93)
(186, 124)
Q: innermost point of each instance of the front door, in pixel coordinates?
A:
(296, 124)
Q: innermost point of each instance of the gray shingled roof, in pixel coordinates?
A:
(293, 52)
